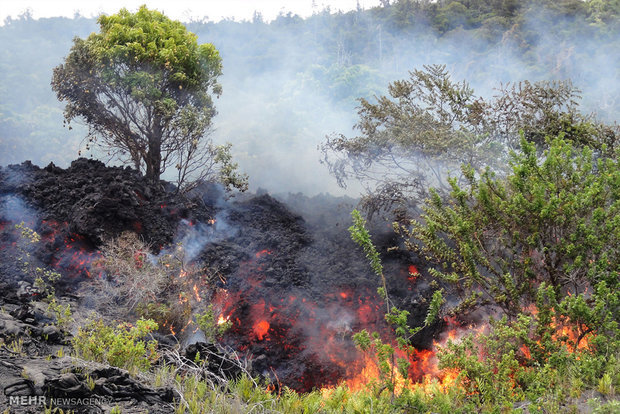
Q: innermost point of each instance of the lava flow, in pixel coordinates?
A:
(69, 253)
(305, 342)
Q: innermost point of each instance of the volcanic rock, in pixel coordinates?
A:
(96, 201)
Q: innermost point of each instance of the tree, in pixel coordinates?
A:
(144, 86)
(430, 125)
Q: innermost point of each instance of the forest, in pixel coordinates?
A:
(408, 208)
(293, 81)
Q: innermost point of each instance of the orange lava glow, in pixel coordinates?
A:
(261, 328)
(263, 253)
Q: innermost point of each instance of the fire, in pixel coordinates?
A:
(565, 334)
(261, 328)
(72, 253)
(196, 294)
(368, 374)
(526, 351)
(293, 325)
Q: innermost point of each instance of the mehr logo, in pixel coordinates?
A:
(27, 400)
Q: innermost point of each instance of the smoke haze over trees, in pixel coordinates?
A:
(290, 82)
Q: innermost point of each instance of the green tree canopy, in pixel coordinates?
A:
(144, 86)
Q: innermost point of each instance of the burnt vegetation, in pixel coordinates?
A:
(478, 272)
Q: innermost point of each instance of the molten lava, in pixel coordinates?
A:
(261, 328)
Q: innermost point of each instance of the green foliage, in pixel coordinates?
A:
(208, 324)
(531, 358)
(143, 85)
(123, 346)
(44, 279)
(360, 235)
(386, 354)
(61, 313)
(554, 219)
(228, 171)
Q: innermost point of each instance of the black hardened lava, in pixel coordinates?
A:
(295, 286)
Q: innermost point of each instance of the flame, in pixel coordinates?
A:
(564, 333)
(261, 328)
(368, 374)
(526, 351)
(196, 294)
(222, 320)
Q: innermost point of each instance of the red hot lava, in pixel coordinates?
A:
(306, 342)
(68, 252)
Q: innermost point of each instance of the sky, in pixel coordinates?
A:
(184, 10)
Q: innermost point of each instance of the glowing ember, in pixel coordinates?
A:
(413, 273)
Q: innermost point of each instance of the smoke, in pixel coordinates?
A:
(14, 210)
(290, 83)
(195, 236)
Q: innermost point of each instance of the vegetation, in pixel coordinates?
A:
(290, 82)
(523, 221)
(45, 279)
(430, 125)
(123, 346)
(559, 294)
(554, 220)
(143, 85)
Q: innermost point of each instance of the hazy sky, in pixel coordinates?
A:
(178, 9)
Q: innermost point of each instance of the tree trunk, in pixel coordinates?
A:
(153, 155)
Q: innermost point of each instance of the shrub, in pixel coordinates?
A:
(123, 346)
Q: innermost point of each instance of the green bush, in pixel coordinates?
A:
(123, 346)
